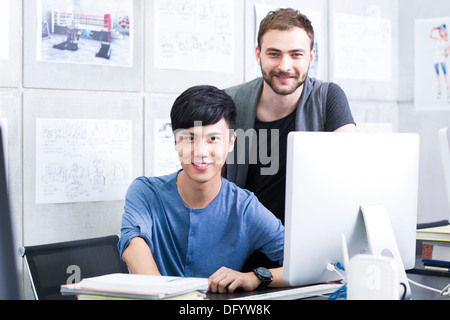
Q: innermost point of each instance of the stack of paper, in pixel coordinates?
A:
(132, 286)
(435, 248)
(441, 233)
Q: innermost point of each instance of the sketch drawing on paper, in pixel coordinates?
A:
(362, 47)
(82, 160)
(165, 157)
(196, 35)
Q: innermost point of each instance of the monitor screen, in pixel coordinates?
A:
(329, 177)
(9, 289)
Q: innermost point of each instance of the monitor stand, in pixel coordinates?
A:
(382, 241)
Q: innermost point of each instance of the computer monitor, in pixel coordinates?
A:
(329, 177)
(9, 289)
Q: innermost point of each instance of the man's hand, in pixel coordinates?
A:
(227, 281)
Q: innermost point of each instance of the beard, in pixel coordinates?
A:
(284, 91)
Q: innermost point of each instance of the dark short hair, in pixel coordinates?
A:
(283, 20)
(207, 104)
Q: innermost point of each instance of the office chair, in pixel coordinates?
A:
(51, 265)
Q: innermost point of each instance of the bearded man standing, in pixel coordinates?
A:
(284, 99)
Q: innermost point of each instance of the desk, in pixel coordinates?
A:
(271, 294)
(417, 293)
(436, 282)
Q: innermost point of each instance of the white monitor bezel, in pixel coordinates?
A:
(334, 174)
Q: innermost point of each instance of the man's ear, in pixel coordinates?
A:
(232, 141)
(312, 57)
(175, 141)
(258, 55)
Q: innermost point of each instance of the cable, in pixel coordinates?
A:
(332, 267)
(447, 288)
(405, 290)
(441, 292)
(339, 293)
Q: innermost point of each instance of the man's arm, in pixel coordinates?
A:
(227, 280)
(139, 258)
(347, 128)
(339, 117)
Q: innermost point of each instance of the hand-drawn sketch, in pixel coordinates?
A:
(362, 47)
(432, 50)
(195, 35)
(87, 32)
(165, 157)
(82, 160)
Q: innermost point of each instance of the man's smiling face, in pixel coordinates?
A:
(285, 58)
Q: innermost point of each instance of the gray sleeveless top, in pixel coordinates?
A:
(311, 116)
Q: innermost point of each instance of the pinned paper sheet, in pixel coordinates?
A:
(165, 157)
(362, 47)
(81, 160)
(196, 35)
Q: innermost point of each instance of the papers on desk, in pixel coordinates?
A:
(435, 244)
(131, 286)
(441, 233)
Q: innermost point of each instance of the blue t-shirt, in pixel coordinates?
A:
(197, 242)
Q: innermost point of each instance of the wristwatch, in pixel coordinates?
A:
(264, 275)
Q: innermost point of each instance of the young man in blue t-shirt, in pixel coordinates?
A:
(194, 223)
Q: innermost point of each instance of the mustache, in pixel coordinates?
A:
(284, 74)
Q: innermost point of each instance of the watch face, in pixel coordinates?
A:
(264, 272)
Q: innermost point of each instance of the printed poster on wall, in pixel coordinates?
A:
(432, 64)
(87, 32)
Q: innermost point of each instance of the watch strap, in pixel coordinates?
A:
(264, 275)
